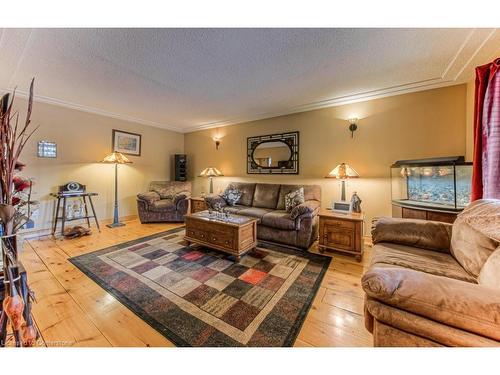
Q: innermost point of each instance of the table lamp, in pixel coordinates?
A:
(116, 158)
(342, 172)
(211, 172)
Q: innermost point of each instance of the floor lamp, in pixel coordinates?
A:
(116, 158)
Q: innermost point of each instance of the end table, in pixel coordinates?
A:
(63, 197)
(341, 232)
(197, 204)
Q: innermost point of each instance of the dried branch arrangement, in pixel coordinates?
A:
(15, 211)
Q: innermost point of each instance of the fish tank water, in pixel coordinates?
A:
(439, 183)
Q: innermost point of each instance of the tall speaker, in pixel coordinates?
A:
(180, 167)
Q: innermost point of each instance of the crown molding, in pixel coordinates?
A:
(350, 99)
(338, 101)
(460, 73)
(95, 111)
(453, 74)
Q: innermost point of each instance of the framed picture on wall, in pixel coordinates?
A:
(126, 143)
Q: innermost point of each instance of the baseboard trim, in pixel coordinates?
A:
(42, 232)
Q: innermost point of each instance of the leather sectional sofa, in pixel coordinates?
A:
(436, 284)
(267, 203)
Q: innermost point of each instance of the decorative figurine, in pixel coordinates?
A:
(355, 203)
(217, 206)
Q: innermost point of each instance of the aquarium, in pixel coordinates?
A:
(439, 183)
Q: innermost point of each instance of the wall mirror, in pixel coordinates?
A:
(273, 154)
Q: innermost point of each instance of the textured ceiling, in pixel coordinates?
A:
(188, 79)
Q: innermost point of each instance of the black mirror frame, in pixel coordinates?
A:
(291, 139)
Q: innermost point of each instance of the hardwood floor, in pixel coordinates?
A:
(72, 310)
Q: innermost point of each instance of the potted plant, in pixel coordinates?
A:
(15, 210)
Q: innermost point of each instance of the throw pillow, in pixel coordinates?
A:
(231, 196)
(294, 198)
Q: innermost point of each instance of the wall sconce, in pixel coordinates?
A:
(217, 142)
(353, 125)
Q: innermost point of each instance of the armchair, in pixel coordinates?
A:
(165, 201)
(434, 284)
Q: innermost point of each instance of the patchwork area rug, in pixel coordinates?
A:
(195, 296)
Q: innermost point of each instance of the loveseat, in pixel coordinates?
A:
(266, 202)
(436, 284)
(165, 201)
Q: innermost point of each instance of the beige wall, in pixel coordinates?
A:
(83, 139)
(418, 125)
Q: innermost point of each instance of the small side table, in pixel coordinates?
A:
(63, 197)
(197, 204)
(341, 232)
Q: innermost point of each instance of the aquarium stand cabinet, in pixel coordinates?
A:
(408, 212)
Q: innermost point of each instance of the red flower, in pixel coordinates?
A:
(15, 201)
(21, 184)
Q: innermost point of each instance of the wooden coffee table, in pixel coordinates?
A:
(235, 235)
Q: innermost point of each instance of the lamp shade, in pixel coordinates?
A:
(342, 171)
(116, 158)
(210, 172)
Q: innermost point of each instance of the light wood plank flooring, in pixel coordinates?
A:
(74, 311)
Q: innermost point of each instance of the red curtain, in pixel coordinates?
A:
(484, 75)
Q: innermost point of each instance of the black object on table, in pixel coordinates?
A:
(63, 197)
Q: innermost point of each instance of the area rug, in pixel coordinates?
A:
(195, 296)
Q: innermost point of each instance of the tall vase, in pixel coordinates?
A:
(29, 333)
(9, 250)
(13, 304)
(7, 212)
(3, 316)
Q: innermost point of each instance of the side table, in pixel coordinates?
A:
(63, 197)
(341, 232)
(197, 204)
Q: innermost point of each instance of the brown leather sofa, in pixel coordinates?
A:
(436, 284)
(165, 201)
(267, 203)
